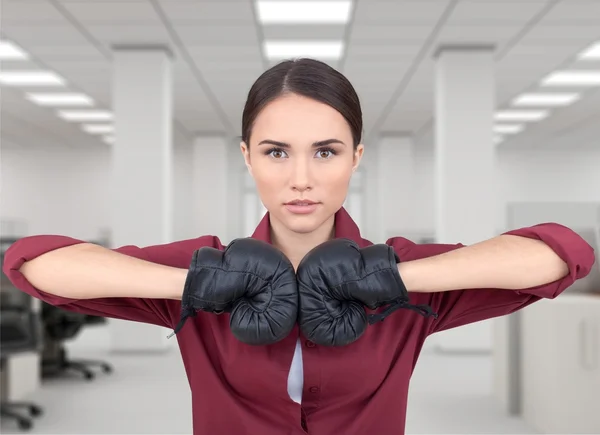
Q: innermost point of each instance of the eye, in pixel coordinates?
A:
(276, 153)
(325, 153)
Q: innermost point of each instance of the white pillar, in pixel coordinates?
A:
(212, 191)
(395, 171)
(142, 159)
(464, 164)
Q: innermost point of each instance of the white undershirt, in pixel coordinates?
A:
(296, 375)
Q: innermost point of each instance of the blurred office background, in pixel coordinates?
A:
(119, 125)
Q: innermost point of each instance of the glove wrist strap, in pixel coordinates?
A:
(424, 310)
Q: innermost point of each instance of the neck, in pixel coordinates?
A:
(296, 245)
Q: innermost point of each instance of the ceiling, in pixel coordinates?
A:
(218, 54)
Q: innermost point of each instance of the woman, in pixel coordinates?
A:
(301, 141)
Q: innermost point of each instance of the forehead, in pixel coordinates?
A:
(295, 119)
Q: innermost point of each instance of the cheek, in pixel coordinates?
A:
(268, 183)
(335, 180)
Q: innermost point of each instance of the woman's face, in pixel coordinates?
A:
(301, 157)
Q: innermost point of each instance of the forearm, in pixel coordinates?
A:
(504, 262)
(89, 271)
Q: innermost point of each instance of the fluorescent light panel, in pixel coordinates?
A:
(62, 99)
(30, 78)
(303, 12)
(520, 115)
(508, 128)
(98, 128)
(10, 51)
(572, 78)
(277, 50)
(546, 99)
(592, 52)
(85, 115)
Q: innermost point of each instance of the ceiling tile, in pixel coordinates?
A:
(574, 12)
(208, 11)
(112, 11)
(125, 33)
(367, 52)
(490, 12)
(399, 12)
(69, 52)
(203, 54)
(390, 34)
(218, 35)
(21, 12)
(45, 35)
(477, 34)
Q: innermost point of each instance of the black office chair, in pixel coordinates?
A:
(20, 331)
(59, 326)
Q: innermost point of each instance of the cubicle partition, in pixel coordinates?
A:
(551, 356)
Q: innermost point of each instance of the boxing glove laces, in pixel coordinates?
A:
(338, 279)
(251, 280)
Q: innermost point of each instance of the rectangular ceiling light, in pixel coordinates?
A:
(66, 99)
(572, 78)
(592, 52)
(507, 128)
(548, 100)
(303, 12)
(9, 51)
(520, 115)
(30, 78)
(85, 115)
(277, 50)
(98, 128)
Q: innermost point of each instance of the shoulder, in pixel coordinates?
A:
(408, 250)
(179, 253)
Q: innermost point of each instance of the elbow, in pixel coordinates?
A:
(579, 257)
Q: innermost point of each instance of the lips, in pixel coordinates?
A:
(301, 206)
(301, 202)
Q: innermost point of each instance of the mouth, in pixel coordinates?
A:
(301, 206)
(301, 202)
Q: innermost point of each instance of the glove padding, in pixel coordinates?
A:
(337, 279)
(250, 279)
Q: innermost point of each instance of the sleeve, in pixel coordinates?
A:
(461, 307)
(159, 312)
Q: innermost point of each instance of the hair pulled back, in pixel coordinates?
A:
(309, 78)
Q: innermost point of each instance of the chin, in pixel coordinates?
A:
(304, 224)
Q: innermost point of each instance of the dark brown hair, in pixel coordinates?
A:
(309, 78)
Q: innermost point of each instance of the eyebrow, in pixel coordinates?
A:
(317, 144)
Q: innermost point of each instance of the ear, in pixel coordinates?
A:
(246, 153)
(360, 149)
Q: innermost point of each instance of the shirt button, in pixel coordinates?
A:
(314, 389)
(310, 344)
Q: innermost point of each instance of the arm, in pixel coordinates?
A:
(128, 283)
(87, 271)
(467, 284)
(504, 262)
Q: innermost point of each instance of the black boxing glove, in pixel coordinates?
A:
(251, 280)
(337, 279)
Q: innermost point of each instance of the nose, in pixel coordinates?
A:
(300, 177)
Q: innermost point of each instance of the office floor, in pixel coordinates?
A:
(150, 395)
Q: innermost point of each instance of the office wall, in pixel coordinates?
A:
(63, 191)
(522, 175)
